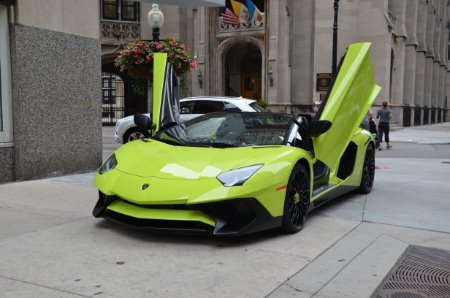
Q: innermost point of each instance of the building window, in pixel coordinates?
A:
(113, 98)
(110, 9)
(130, 10)
(5, 80)
(120, 10)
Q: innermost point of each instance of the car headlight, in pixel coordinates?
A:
(110, 164)
(238, 176)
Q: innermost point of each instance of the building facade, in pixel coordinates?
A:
(282, 54)
(52, 54)
(50, 115)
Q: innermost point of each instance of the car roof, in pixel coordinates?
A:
(220, 98)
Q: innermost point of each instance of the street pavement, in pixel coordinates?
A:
(51, 246)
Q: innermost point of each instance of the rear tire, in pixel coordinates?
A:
(296, 203)
(368, 173)
(135, 133)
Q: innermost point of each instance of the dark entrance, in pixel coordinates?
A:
(119, 98)
(243, 64)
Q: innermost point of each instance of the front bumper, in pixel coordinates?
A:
(227, 217)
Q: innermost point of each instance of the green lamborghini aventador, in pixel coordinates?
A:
(239, 173)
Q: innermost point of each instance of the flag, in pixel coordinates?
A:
(241, 11)
(251, 9)
(258, 18)
(255, 16)
(229, 17)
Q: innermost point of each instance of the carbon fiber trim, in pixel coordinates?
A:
(232, 217)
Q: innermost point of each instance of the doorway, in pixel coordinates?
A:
(250, 85)
(243, 64)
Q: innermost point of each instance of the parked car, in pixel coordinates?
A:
(191, 107)
(239, 173)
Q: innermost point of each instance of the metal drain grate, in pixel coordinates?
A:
(420, 272)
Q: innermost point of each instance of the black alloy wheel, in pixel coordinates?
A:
(368, 173)
(296, 203)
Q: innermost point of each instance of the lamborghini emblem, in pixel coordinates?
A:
(145, 186)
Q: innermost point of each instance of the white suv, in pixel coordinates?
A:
(190, 108)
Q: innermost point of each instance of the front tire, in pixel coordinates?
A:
(296, 203)
(368, 173)
(135, 133)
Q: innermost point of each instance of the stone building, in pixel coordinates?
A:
(50, 112)
(285, 57)
(409, 53)
(52, 54)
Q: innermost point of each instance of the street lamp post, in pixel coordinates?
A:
(155, 19)
(335, 32)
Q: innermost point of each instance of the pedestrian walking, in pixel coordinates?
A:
(384, 114)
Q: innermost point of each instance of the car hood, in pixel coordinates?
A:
(151, 158)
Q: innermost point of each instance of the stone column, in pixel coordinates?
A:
(372, 26)
(409, 78)
(443, 60)
(442, 80)
(303, 54)
(200, 49)
(419, 88)
(397, 80)
(429, 45)
(436, 58)
(434, 91)
(447, 97)
(398, 8)
(410, 53)
(279, 94)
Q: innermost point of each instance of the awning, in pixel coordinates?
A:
(190, 3)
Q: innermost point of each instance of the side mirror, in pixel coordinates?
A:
(316, 128)
(142, 121)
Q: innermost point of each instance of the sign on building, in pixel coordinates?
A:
(323, 81)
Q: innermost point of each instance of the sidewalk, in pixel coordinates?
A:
(51, 246)
(427, 134)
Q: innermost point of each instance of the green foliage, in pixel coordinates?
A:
(262, 103)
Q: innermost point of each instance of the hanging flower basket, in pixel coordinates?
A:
(137, 58)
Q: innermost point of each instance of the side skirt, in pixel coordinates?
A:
(320, 197)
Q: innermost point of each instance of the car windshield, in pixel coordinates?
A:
(223, 130)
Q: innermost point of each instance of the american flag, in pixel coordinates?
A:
(229, 17)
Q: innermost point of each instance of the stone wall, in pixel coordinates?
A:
(56, 102)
